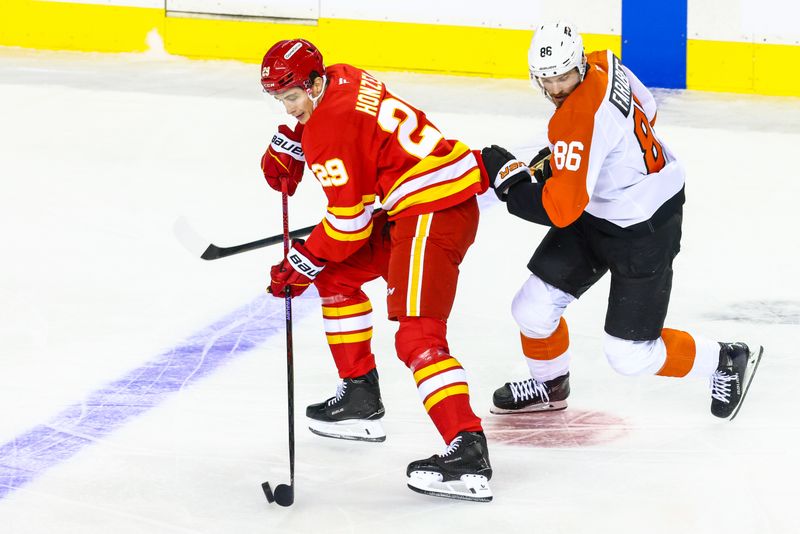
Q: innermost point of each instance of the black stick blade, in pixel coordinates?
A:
(199, 246)
(213, 252)
(268, 492)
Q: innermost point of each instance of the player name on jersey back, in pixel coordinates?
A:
(620, 94)
(369, 95)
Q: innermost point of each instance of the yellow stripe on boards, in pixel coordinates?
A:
(716, 65)
(332, 312)
(428, 370)
(742, 67)
(776, 70)
(76, 26)
(245, 40)
(338, 339)
(377, 45)
(597, 41)
(439, 396)
(490, 52)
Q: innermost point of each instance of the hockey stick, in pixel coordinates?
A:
(284, 495)
(198, 246)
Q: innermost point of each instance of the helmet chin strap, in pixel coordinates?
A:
(544, 91)
(315, 100)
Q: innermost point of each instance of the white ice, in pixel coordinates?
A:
(99, 154)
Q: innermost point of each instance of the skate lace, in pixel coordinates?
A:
(453, 447)
(529, 389)
(339, 393)
(721, 386)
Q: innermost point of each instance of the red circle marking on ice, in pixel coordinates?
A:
(565, 428)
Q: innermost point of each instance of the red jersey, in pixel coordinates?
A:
(364, 144)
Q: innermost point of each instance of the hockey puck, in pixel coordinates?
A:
(284, 495)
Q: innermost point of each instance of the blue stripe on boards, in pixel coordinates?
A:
(654, 41)
(105, 410)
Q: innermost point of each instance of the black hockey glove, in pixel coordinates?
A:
(504, 169)
(540, 165)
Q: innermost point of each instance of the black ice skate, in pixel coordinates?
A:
(531, 396)
(462, 472)
(731, 380)
(353, 413)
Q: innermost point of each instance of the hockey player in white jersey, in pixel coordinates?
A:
(612, 193)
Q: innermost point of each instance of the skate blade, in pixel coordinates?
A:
(352, 429)
(752, 365)
(533, 408)
(468, 488)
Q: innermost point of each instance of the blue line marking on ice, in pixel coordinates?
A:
(103, 411)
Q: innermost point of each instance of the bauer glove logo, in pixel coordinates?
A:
(510, 167)
(302, 265)
(281, 143)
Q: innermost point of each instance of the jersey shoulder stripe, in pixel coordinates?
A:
(430, 164)
(350, 211)
(436, 181)
(346, 223)
(335, 234)
(434, 193)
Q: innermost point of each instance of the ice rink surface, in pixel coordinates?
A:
(143, 390)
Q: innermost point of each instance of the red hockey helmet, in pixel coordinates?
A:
(290, 64)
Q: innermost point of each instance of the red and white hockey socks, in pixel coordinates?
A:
(443, 390)
(348, 327)
(441, 381)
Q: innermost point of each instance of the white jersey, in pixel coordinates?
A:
(607, 159)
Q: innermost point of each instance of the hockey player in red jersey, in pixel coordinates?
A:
(612, 193)
(364, 144)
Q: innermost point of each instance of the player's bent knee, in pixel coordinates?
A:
(419, 334)
(632, 358)
(538, 306)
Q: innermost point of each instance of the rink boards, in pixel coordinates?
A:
(743, 48)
